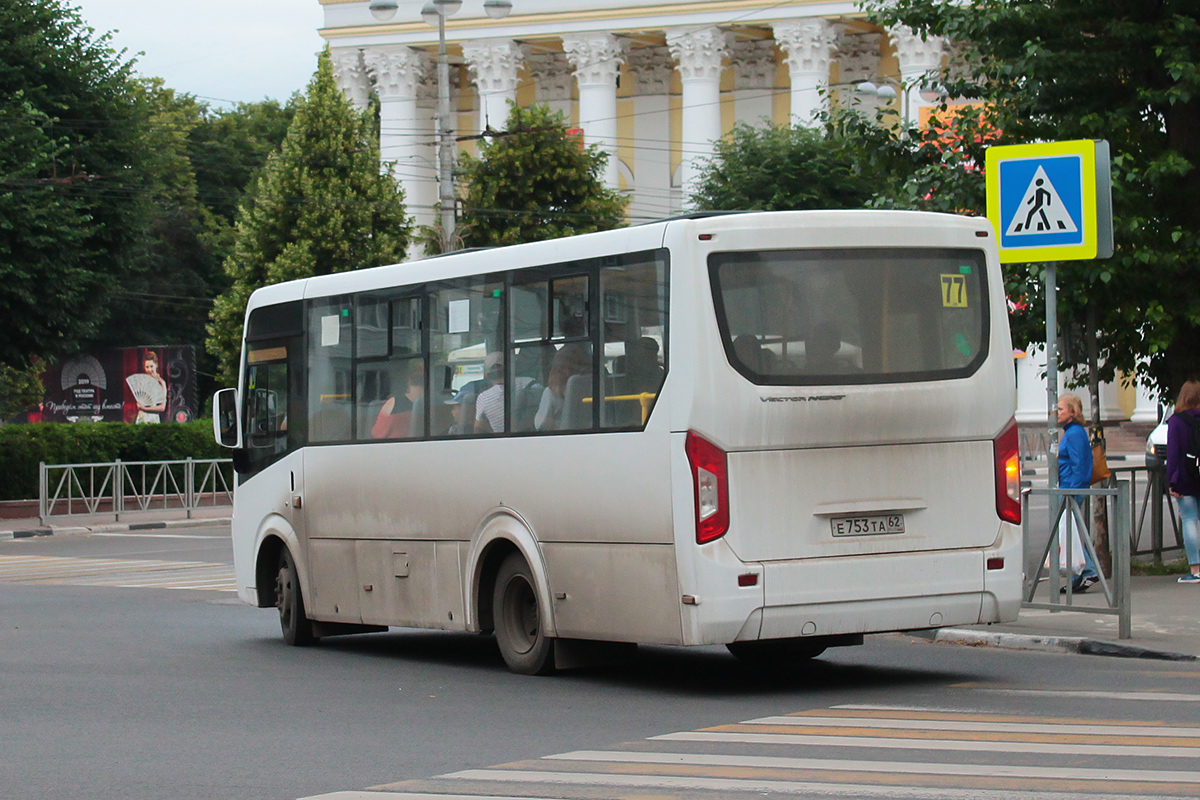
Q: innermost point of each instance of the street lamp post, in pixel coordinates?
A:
(435, 13)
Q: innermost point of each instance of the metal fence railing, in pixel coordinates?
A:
(1034, 445)
(1069, 512)
(120, 487)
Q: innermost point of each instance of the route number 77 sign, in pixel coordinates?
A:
(1051, 201)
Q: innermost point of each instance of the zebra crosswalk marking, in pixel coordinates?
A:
(843, 752)
(908, 743)
(117, 573)
(1075, 727)
(890, 767)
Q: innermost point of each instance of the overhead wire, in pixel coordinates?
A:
(422, 137)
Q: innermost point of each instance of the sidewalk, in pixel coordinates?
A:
(1165, 624)
(105, 523)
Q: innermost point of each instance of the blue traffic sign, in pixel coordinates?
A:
(1050, 201)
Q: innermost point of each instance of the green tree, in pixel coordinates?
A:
(72, 179)
(166, 298)
(782, 167)
(20, 388)
(1126, 71)
(228, 147)
(321, 206)
(534, 181)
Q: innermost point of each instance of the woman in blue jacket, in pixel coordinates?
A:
(1184, 488)
(1075, 472)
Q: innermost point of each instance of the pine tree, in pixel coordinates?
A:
(321, 206)
(534, 181)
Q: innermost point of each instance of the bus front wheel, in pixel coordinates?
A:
(518, 621)
(296, 626)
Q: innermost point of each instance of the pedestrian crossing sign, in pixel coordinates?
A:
(1050, 201)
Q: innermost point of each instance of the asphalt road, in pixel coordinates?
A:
(116, 686)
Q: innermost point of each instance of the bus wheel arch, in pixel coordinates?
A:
(275, 535)
(502, 535)
(266, 568)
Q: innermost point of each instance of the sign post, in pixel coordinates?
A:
(1051, 202)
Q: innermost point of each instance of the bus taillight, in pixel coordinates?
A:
(710, 485)
(1008, 473)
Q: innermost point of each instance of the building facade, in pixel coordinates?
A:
(653, 82)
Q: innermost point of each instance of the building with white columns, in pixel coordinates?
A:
(653, 82)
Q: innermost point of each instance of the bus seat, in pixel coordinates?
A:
(525, 406)
(331, 423)
(367, 414)
(577, 415)
(416, 421)
(466, 417)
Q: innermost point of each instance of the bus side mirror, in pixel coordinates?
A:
(226, 429)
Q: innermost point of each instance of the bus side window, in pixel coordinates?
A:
(634, 324)
(266, 413)
(330, 376)
(466, 324)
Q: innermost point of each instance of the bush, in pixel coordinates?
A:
(23, 446)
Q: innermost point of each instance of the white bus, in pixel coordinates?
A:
(771, 431)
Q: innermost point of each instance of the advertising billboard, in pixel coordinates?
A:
(144, 385)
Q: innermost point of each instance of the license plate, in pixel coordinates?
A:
(867, 525)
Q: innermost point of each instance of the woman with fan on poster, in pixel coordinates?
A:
(149, 390)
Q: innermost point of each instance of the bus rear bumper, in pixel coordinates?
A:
(892, 592)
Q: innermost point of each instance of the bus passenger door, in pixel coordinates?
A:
(270, 495)
(329, 462)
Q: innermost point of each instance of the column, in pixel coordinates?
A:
(405, 132)
(810, 45)
(597, 59)
(351, 75)
(699, 53)
(494, 64)
(917, 56)
(1145, 406)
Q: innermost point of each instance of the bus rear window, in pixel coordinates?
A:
(852, 315)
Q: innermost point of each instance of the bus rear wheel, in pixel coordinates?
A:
(776, 652)
(296, 626)
(518, 620)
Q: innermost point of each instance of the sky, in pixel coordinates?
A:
(222, 51)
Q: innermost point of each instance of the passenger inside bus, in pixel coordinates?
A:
(749, 352)
(822, 352)
(571, 359)
(642, 369)
(394, 420)
(489, 406)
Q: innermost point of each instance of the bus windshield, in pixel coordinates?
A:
(860, 315)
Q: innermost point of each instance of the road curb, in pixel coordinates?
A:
(114, 527)
(1048, 644)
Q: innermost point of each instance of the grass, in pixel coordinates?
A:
(1176, 567)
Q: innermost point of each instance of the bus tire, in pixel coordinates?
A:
(294, 622)
(518, 620)
(776, 652)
